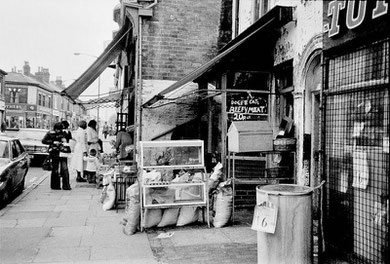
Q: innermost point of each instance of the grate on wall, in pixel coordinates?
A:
(356, 163)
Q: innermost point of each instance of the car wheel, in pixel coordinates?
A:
(5, 197)
(21, 186)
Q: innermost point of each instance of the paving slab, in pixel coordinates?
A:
(67, 221)
(19, 245)
(240, 234)
(61, 254)
(17, 214)
(59, 242)
(33, 222)
(198, 237)
(71, 231)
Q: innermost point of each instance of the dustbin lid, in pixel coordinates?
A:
(285, 189)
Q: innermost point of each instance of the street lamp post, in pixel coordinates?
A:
(98, 105)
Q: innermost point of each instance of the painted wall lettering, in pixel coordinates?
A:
(356, 14)
(334, 11)
(380, 9)
(353, 22)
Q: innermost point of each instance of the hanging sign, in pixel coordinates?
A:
(360, 169)
(247, 107)
(264, 217)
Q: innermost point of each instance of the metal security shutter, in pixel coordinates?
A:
(356, 164)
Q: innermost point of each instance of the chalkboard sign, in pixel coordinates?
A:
(247, 107)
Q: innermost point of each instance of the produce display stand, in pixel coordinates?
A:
(182, 177)
(125, 176)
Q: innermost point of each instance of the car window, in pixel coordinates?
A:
(4, 151)
(14, 150)
(19, 147)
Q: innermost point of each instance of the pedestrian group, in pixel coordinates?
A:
(85, 156)
(87, 149)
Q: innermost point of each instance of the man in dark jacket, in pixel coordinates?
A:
(56, 139)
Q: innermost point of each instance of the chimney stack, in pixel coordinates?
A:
(59, 81)
(43, 75)
(26, 69)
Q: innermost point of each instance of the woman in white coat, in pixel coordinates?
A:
(92, 137)
(80, 150)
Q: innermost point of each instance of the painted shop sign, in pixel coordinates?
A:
(15, 107)
(44, 110)
(248, 107)
(31, 107)
(348, 19)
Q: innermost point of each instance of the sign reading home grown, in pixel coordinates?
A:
(247, 107)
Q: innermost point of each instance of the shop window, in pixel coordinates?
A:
(261, 7)
(359, 68)
(13, 95)
(23, 96)
(284, 88)
(252, 102)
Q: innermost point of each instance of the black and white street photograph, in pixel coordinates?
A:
(194, 132)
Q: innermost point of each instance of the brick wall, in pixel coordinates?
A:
(181, 36)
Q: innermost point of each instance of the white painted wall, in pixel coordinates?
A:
(32, 95)
(296, 43)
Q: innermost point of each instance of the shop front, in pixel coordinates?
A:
(15, 115)
(44, 118)
(356, 130)
(237, 87)
(2, 110)
(56, 116)
(31, 116)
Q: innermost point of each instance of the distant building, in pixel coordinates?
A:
(2, 100)
(31, 100)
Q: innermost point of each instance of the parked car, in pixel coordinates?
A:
(31, 139)
(14, 165)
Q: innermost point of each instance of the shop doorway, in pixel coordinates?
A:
(311, 146)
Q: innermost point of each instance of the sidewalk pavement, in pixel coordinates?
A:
(56, 226)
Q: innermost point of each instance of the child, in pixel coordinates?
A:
(92, 167)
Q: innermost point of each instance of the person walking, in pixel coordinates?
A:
(57, 142)
(123, 140)
(105, 130)
(68, 134)
(92, 136)
(3, 125)
(80, 150)
(92, 167)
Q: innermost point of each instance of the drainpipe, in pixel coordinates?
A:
(138, 77)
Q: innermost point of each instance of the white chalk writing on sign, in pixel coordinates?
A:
(246, 108)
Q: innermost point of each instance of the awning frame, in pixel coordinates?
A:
(100, 64)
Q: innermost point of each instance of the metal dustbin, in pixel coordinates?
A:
(292, 240)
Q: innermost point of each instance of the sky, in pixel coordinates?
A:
(47, 33)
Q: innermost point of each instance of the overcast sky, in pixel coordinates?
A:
(47, 33)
